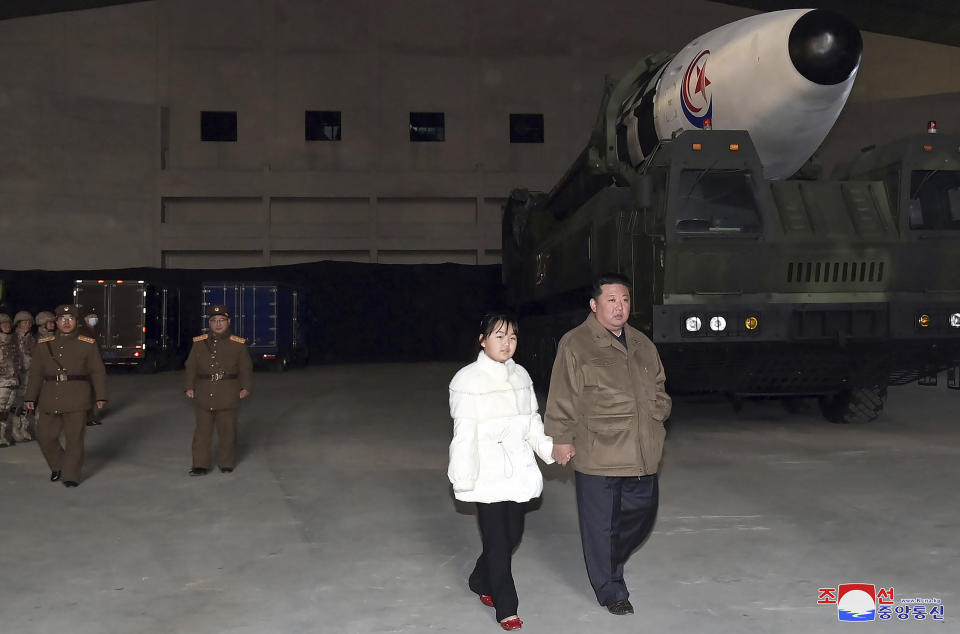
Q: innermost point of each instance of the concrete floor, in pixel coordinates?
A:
(339, 518)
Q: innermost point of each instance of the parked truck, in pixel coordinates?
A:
(140, 324)
(268, 315)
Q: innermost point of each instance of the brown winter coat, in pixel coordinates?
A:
(608, 402)
(79, 355)
(218, 354)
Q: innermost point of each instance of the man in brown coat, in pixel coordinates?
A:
(605, 410)
(219, 373)
(61, 373)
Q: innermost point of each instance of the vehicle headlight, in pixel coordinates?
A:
(924, 320)
(751, 323)
(693, 324)
(718, 323)
(955, 320)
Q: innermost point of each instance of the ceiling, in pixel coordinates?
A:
(22, 8)
(929, 20)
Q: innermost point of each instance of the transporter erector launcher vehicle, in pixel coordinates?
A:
(748, 281)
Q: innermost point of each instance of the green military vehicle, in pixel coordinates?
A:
(749, 286)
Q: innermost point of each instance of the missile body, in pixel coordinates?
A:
(783, 76)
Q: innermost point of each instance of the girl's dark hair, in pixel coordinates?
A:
(489, 323)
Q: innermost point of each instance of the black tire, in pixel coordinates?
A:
(858, 405)
(796, 404)
(149, 364)
(281, 363)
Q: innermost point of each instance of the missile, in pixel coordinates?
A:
(783, 76)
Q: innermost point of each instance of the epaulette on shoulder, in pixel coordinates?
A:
(46, 339)
(237, 339)
(86, 339)
(200, 337)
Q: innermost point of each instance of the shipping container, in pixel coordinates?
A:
(267, 315)
(140, 324)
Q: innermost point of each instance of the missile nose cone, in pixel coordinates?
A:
(825, 47)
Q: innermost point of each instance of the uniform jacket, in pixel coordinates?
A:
(496, 430)
(608, 402)
(214, 354)
(26, 342)
(10, 361)
(79, 356)
(91, 331)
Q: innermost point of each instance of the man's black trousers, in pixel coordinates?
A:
(616, 515)
(501, 527)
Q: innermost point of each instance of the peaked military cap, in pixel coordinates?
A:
(218, 309)
(67, 309)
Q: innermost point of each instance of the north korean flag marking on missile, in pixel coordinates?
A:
(696, 98)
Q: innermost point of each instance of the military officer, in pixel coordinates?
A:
(23, 327)
(219, 373)
(61, 372)
(10, 364)
(91, 328)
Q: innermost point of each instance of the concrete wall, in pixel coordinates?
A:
(102, 154)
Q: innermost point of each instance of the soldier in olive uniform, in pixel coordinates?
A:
(62, 370)
(219, 373)
(24, 421)
(10, 364)
(91, 328)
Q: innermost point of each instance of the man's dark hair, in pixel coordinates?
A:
(609, 278)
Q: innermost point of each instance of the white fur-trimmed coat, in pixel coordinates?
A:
(496, 430)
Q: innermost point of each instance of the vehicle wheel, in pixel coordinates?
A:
(281, 363)
(796, 404)
(857, 405)
(148, 365)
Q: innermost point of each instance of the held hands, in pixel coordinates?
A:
(189, 393)
(563, 453)
(101, 404)
(30, 405)
(244, 393)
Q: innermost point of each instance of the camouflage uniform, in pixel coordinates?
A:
(62, 370)
(9, 378)
(217, 370)
(25, 420)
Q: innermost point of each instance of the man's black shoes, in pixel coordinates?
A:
(70, 484)
(226, 469)
(54, 476)
(198, 471)
(621, 607)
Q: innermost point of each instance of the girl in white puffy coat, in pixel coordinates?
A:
(496, 431)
